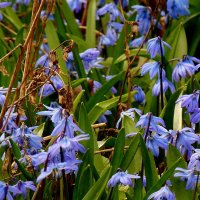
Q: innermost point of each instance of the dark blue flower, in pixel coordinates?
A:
(187, 175)
(122, 178)
(165, 83)
(164, 193)
(143, 18)
(23, 186)
(111, 9)
(154, 142)
(189, 101)
(69, 167)
(184, 140)
(6, 190)
(140, 95)
(56, 114)
(195, 116)
(154, 46)
(194, 163)
(182, 69)
(76, 5)
(136, 42)
(152, 67)
(177, 8)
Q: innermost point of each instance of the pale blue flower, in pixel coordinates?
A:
(166, 85)
(154, 46)
(189, 101)
(140, 95)
(143, 18)
(177, 8)
(183, 69)
(195, 116)
(152, 67)
(187, 175)
(122, 178)
(137, 42)
(164, 193)
(195, 161)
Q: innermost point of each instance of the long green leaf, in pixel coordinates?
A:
(99, 95)
(98, 188)
(118, 151)
(101, 107)
(26, 174)
(163, 179)
(15, 149)
(130, 153)
(91, 24)
(149, 165)
(70, 19)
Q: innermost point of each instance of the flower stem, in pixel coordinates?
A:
(195, 191)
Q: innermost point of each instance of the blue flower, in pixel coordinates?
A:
(194, 163)
(154, 142)
(166, 84)
(136, 42)
(22, 186)
(152, 67)
(111, 9)
(164, 193)
(182, 69)
(130, 113)
(177, 8)
(122, 178)
(6, 190)
(76, 5)
(124, 2)
(184, 140)
(189, 101)
(102, 118)
(154, 121)
(5, 4)
(195, 116)
(187, 175)
(39, 158)
(140, 95)
(69, 167)
(56, 114)
(154, 46)
(47, 89)
(143, 18)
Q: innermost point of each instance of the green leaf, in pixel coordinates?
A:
(82, 45)
(177, 119)
(129, 125)
(77, 82)
(15, 149)
(99, 95)
(86, 182)
(91, 24)
(101, 107)
(98, 188)
(12, 17)
(178, 41)
(85, 125)
(80, 70)
(70, 19)
(149, 165)
(178, 186)
(118, 151)
(130, 153)
(39, 130)
(26, 174)
(77, 100)
(163, 179)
